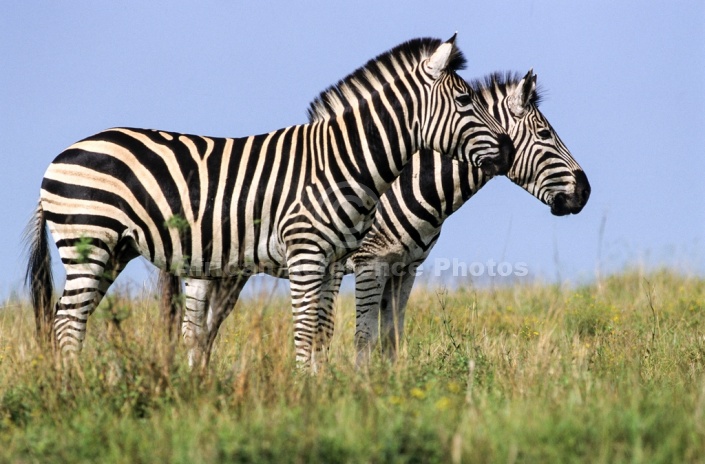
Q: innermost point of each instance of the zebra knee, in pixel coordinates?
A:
(69, 336)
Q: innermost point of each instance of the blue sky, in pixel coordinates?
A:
(624, 87)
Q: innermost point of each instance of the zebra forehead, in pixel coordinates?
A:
(503, 83)
(376, 73)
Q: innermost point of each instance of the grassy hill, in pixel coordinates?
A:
(610, 372)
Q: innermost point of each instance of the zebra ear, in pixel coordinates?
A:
(437, 63)
(524, 92)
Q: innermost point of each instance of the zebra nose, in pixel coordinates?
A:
(582, 187)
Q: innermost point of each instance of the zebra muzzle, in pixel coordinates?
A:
(564, 203)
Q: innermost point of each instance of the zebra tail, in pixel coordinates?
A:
(170, 303)
(38, 277)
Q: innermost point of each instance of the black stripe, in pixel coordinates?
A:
(214, 163)
(101, 196)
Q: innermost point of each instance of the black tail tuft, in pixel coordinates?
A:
(38, 277)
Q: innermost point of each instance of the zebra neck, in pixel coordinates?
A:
(371, 144)
(459, 182)
(431, 188)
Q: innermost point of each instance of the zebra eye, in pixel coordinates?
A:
(464, 99)
(545, 134)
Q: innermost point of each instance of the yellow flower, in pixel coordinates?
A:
(442, 404)
(453, 387)
(417, 393)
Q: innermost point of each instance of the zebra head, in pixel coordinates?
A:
(455, 122)
(543, 166)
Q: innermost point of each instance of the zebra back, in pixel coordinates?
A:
(389, 67)
(376, 75)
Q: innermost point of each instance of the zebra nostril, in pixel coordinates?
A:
(585, 196)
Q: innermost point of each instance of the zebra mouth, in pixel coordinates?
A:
(563, 204)
(561, 209)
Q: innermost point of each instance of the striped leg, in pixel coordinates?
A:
(193, 328)
(208, 304)
(392, 310)
(170, 305)
(370, 281)
(306, 278)
(223, 297)
(326, 314)
(81, 296)
(88, 277)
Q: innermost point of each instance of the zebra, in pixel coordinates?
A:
(212, 207)
(410, 215)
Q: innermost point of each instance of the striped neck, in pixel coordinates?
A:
(372, 141)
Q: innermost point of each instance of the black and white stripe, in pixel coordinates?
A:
(289, 202)
(430, 188)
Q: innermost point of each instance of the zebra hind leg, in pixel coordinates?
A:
(170, 304)
(222, 298)
(90, 269)
(112, 270)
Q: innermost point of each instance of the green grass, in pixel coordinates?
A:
(610, 372)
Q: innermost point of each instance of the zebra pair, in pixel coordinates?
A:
(409, 218)
(224, 207)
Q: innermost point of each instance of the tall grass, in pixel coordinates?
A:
(528, 373)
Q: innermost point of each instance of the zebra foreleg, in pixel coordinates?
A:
(193, 328)
(326, 315)
(392, 309)
(369, 285)
(306, 279)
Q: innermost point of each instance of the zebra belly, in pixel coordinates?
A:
(243, 258)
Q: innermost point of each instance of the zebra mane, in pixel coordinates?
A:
(500, 81)
(375, 74)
